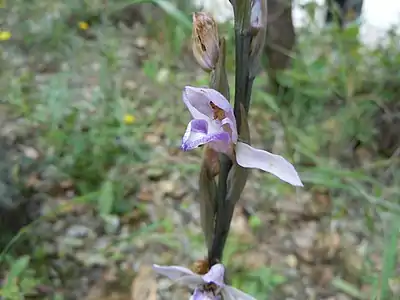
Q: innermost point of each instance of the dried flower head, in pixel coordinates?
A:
(205, 40)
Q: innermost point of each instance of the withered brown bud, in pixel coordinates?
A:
(205, 41)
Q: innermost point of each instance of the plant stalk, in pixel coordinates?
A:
(243, 86)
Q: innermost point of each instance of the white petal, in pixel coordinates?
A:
(187, 95)
(226, 295)
(191, 281)
(200, 98)
(237, 294)
(173, 272)
(249, 157)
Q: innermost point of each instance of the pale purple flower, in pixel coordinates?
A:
(214, 124)
(209, 286)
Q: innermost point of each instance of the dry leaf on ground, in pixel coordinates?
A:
(144, 286)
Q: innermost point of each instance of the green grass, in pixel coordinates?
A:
(72, 89)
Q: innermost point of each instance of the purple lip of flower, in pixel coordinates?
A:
(197, 133)
(213, 120)
(201, 283)
(214, 124)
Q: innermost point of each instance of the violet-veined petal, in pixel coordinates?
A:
(215, 275)
(189, 93)
(199, 99)
(218, 99)
(173, 272)
(232, 126)
(195, 137)
(236, 294)
(222, 146)
(196, 126)
(249, 157)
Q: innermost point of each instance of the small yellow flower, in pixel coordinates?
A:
(5, 35)
(83, 25)
(129, 119)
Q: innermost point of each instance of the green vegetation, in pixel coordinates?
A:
(90, 101)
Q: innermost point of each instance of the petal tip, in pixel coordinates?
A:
(249, 157)
(298, 183)
(189, 88)
(295, 178)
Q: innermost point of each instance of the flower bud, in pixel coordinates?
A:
(205, 41)
(258, 24)
(258, 14)
(257, 44)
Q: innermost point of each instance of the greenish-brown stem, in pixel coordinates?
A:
(219, 82)
(243, 86)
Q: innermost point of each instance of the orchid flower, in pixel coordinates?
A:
(214, 124)
(209, 286)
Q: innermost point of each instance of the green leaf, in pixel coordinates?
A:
(174, 12)
(348, 288)
(255, 221)
(389, 258)
(106, 198)
(270, 101)
(18, 267)
(165, 5)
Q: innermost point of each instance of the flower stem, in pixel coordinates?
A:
(243, 82)
(243, 87)
(224, 212)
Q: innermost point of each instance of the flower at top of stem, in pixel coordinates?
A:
(83, 25)
(214, 124)
(205, 41)
(208, 286)
(258, 14)
(5, 35)
(258, 25)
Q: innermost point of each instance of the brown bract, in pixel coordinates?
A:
(211, 161)
(200, 267)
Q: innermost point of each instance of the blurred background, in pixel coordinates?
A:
(94, 188)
